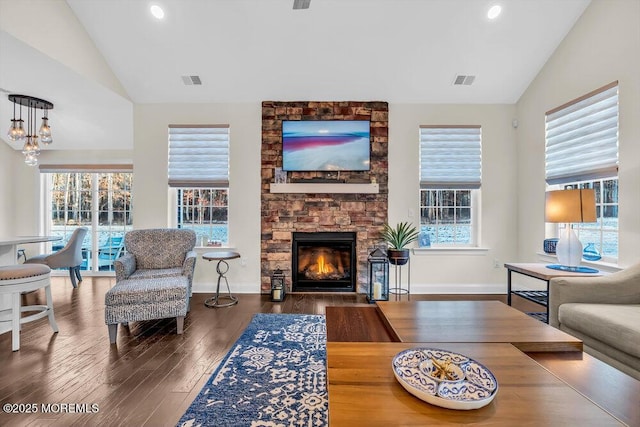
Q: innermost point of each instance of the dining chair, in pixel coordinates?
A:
(70, 256)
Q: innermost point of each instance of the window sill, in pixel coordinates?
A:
(450, 251)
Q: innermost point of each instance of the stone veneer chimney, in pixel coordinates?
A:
(284, 213)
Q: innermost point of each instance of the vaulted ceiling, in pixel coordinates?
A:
(400, 51)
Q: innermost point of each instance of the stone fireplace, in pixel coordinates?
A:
(323, 261)
(286, 213)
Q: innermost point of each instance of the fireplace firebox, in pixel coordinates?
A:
(324, 261)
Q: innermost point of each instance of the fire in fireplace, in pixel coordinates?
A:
(324, 261)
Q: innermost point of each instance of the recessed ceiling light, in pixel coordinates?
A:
(157, 11)
(494, 11)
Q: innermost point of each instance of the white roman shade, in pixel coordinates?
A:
(582, 138)
(199, 156)
(450, 157)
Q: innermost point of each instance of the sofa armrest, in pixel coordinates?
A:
(622, 287)
(125, 265)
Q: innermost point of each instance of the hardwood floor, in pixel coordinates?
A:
(151, 376)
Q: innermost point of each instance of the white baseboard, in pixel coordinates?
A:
(466, 288)
(236, 288)
(469, 288)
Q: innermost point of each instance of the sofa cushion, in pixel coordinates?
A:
(617, 325)
(139, 291)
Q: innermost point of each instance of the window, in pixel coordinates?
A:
(603, 233)
(582, 152)
(450, 178)
(199, 171)
(100, 201)
(204, 210)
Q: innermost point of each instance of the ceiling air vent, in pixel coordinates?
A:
(191, 80)
(463, 80)
(301, 4)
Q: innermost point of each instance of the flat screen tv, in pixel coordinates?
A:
(325, 145)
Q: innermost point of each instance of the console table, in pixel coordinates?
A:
(541, 272)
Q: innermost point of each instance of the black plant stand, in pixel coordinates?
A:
(397, 284)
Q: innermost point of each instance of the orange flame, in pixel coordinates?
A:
(322, 266)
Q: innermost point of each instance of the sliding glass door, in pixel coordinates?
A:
(100, 201)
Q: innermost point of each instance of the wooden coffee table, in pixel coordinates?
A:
(480, 329)
(473, 321)
(363, 390)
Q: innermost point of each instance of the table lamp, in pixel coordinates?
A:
(570, 206)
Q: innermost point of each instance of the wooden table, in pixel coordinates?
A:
(363, 390)
(355, 368)
(473, 321)
(538, 271)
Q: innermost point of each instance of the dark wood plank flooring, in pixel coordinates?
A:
(152, 375)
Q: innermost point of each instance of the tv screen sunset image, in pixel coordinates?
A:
(329, 145)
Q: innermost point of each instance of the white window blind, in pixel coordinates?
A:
(450, 157)
(582, 138)
(199, 156)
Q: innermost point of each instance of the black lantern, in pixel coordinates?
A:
(378, 267)
(277, 285)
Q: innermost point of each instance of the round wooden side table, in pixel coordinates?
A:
(222, 267)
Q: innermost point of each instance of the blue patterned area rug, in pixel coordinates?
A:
(274, 375)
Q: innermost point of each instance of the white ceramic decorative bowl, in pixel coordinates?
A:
(474, 385)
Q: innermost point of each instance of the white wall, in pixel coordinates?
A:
(8, 158)
(461, 271)
(603, 46)
(152, 207)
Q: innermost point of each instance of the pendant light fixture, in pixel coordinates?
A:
(17, 133)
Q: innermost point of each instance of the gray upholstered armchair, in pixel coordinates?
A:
(154, 253)
(68, 257)
(604, 312)
(153, 278)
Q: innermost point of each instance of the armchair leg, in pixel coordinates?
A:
(180, 324)
(113, 333)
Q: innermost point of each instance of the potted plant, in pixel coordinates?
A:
(397, 238)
